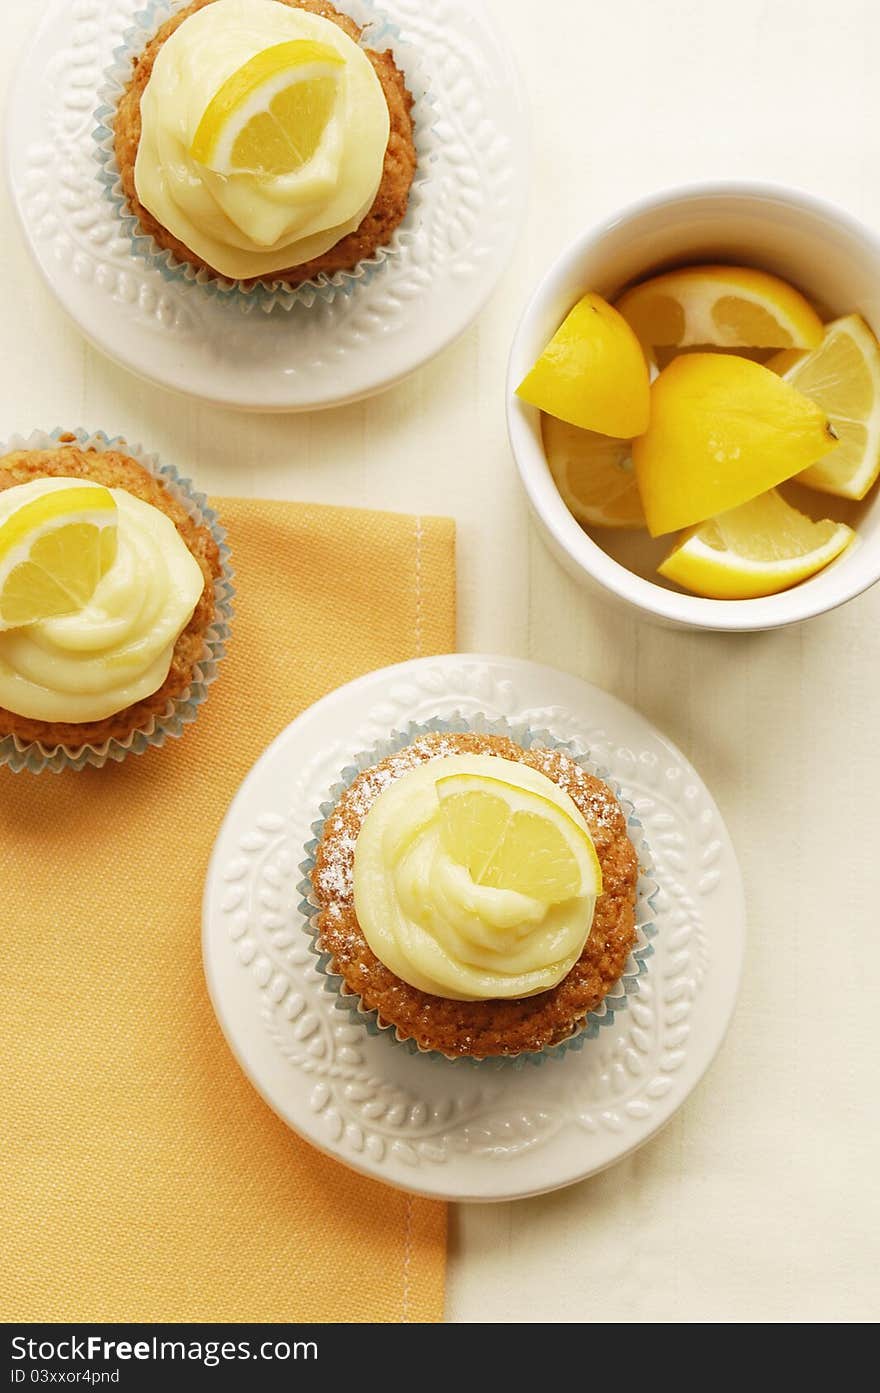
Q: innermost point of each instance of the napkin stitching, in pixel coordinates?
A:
(419, 536)
(407, 1255)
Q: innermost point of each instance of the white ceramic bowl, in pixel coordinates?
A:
(833, 258)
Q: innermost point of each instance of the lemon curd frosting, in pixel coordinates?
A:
(116, 648)
(249, 222)
(427, 918)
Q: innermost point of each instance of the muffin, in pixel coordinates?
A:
(125, 659)
(238, 211)
(419, 939)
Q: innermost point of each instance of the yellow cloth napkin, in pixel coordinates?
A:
(143, 1178)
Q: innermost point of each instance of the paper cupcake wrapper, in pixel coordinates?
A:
(266, 294)
(647, 890)
(35, 757)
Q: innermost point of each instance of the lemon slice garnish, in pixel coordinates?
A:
(758, 549)
(270, 116)
(54, 549)
(842, 376)
(592, 373)
(723, 306)
(723, 429)
(509, 838)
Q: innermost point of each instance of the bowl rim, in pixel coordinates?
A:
(769, 612)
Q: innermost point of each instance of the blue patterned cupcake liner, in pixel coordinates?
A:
(647, 890)
(181, 711)
(266, 294)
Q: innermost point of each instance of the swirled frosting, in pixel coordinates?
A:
(426, 919)
(117, 649)
(246, 225)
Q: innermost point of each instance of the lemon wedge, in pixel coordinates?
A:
(270, 116)
(723, 429)
(592, 373)
(54, 549)
(760, 548)
(842, 376)
(594, 475)
(510, 838)
(723, 306)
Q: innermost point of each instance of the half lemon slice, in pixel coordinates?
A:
(54, 549)
(723, 306)
(842, 376)
(510, 838)
(758, 549)
(594, 475)
(270, 116)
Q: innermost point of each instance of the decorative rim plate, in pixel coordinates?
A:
(427, 1125)
(452, 250)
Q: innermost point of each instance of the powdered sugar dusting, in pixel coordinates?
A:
(594, 799)
(334, 873)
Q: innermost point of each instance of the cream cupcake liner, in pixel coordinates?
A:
(266, 294)
(647, 890)
(34, 756)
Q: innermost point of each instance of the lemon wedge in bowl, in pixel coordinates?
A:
(721, 306)
(723, 429)
(842, 376)
(270, 116)
(594, 475)
(592, 373)
(758, 549)
(57, 540)
(511, 838)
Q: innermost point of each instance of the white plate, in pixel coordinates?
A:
(463, 229)
(453, 1130)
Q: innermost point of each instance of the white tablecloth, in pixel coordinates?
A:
(759, 1201)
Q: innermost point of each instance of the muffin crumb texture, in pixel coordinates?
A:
(478, 1028)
